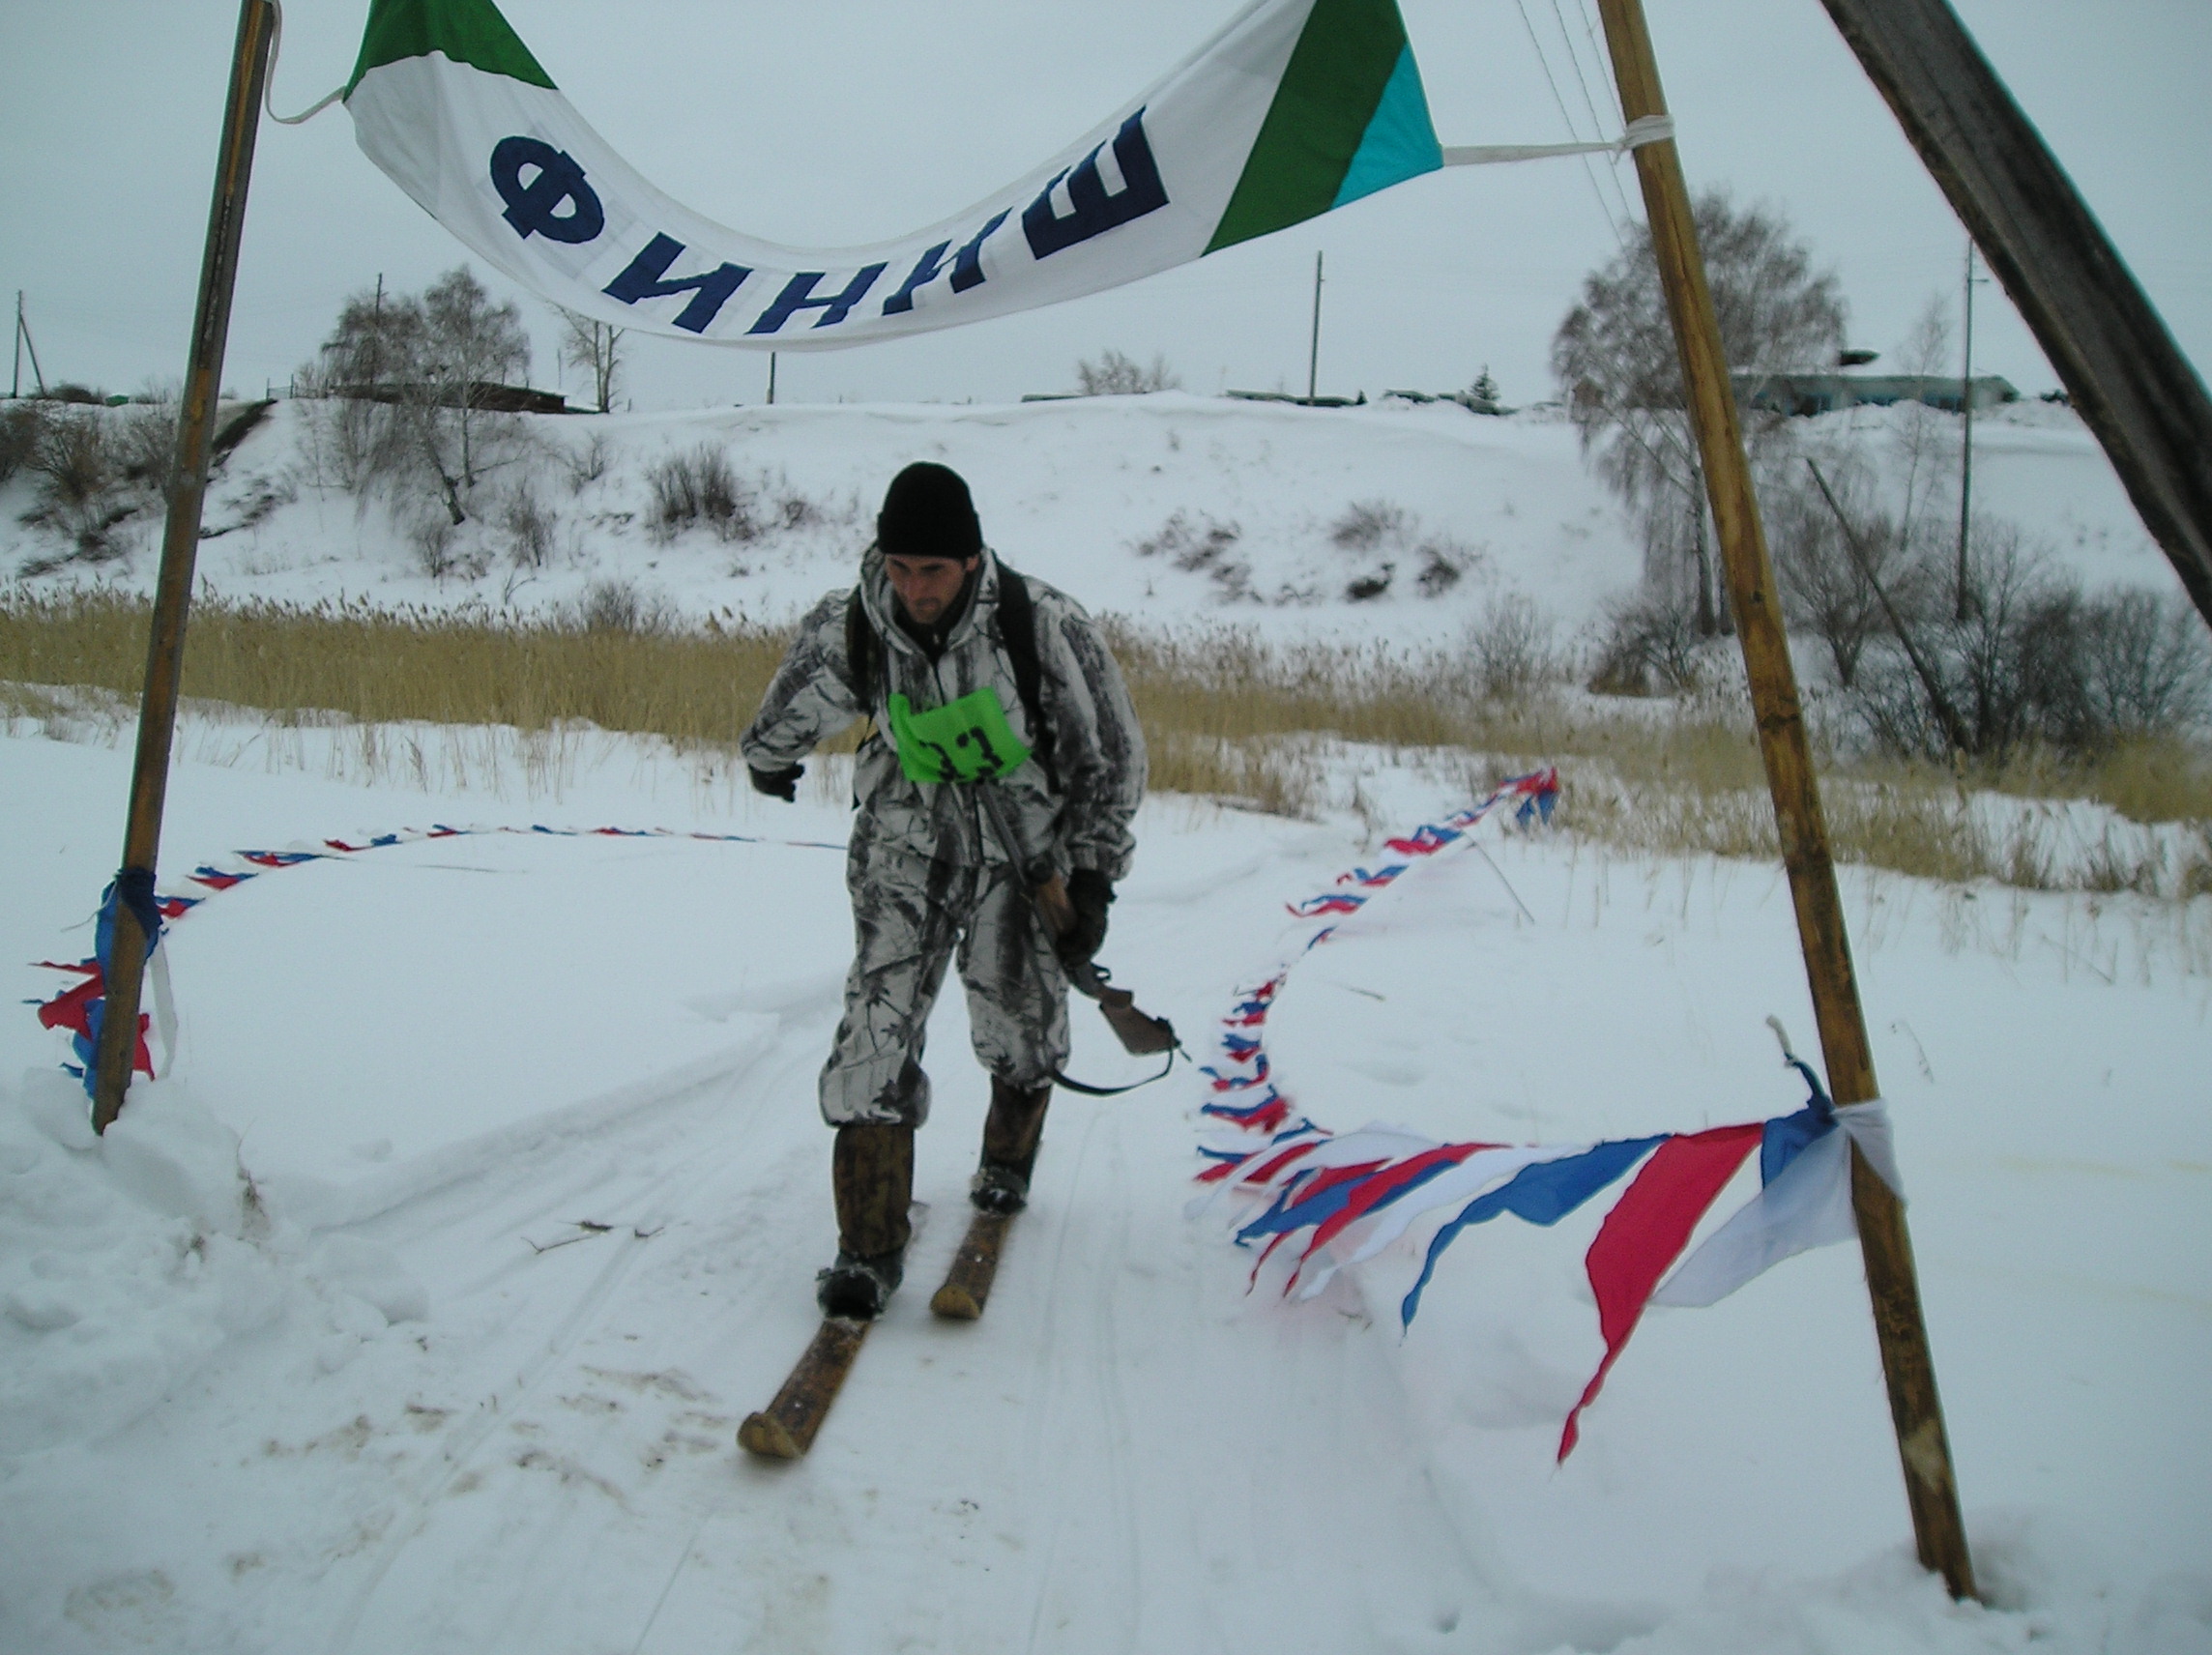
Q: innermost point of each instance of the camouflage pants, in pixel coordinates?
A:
(909, 916)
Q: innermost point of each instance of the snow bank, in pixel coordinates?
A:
(127, 1260)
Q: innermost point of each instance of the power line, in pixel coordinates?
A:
(1604, 206)
(1604, 60)
(1598, 121)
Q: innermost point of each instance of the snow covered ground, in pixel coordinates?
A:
(537, 1187)
(414, 1397)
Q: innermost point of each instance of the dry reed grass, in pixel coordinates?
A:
(387, 666)
(1227, 717)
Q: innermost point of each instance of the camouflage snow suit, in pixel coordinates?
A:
(925, 867)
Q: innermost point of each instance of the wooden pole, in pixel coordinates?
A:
(1961, 601)
(2128, 379)
(180, 544)
(1313, 354)
(1891, 1283)
(24, 342)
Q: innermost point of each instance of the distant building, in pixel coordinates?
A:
(1808, 394)
(483, 396)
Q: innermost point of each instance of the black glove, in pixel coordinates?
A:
(1088, 892)
(782, 782)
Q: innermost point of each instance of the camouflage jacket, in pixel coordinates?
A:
(1097, 749)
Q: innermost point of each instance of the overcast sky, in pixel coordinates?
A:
(837, 122)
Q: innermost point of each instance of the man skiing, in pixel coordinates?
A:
(977, 679)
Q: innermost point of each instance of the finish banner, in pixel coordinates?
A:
(1293, 108)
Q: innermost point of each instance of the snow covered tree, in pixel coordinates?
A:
(1615, 359)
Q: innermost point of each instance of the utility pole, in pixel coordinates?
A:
(376, 337)
(1963, 600)
(1313, 356)
(1892, 1282)
(24, 342)
(135, 921)
(772, 379)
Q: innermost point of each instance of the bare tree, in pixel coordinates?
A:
(1925, 451)
(1615, 357)
(1114, 375)
(406, 376)
(471, 342)
(357, 376)
(594, 348)
(1827, 557)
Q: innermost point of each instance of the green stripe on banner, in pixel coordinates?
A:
(1350, 82)
(466, 31)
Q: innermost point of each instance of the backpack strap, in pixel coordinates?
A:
(1017, 636)
(862, 649)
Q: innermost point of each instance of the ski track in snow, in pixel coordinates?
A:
(1128, 1452)
(579, 1320)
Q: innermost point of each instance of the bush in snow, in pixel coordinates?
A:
(95, 468)
(587, 464)
(1367, 527)
(2034, 661)
(146, 442)
(1202, 546)
(529, 526)
(1114, 375)
(1366, 587)
(20, 423)
(699, 489)
(1511, 650)
(618, 606)
(1834, 566)
(1365, 524)
(433, 538)
(1648, 646)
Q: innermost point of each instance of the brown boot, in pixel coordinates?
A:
(871, 1173)
(1011, 1133)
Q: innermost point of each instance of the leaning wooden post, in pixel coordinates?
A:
(180, 543)
(2126, 376)
(1891, 1282)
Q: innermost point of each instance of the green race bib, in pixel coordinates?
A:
(967, 740)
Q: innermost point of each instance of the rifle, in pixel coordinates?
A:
(1139, 1032)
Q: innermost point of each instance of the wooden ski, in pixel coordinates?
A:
(968, 1283)
(785, 1428)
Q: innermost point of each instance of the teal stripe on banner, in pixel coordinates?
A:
(1347, 56)
(1400, 141)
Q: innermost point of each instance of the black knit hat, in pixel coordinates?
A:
(927, 513)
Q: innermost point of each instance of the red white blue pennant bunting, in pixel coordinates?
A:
(1350, 1196)
(1242, 1094)
(78, 1009)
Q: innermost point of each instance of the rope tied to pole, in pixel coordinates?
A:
(269, 85)
(1645, 129)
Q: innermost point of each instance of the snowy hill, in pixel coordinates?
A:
(414, 1307)
(1170, 509)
